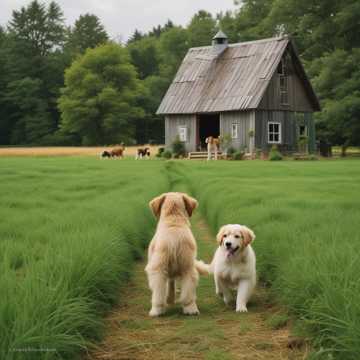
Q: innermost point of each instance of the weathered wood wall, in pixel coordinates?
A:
(245, 121)
(297, 95)
(172, 124)
(289, 129)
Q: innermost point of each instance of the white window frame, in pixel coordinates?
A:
(268, 131)
(234, 130)
(183, 133)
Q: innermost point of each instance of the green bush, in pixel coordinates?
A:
(275, 154)
(178, 148)
(167, 154)
(238, 155)
(160, 152)
(230, 152)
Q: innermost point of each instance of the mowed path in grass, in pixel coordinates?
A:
(217, 333)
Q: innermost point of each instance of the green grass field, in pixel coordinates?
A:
(71, 228)
(306, 218)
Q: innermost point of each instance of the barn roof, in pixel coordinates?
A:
(234, 79)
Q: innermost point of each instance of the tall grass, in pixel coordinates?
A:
(70, 229)
(306, 218)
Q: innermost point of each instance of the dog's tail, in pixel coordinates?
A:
(202, 268)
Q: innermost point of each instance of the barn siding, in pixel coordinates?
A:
(297, 95)
(288, 129)
(311, 132)
(172, 124)
(246, 121)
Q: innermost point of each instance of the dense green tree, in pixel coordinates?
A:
(135, 36)
(201, 29)
(227, 23)
(173, 47)
(338, 84)
(40, 27)
(31, 60)
(145, 56)
(98, 102)
(88, 32)
(34, 121)
(250, 19)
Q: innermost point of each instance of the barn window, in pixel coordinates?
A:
(284, 90)
(302, 130)
(281, 67)
(234, 131)
(274, 132)
(183, 133)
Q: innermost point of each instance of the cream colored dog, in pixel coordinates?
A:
(234, 264)
(172, 254)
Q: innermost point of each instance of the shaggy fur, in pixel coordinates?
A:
(234, 264)
(172, 254)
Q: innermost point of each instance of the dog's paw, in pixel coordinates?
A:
(156, 311)
(191, 310)
(241, 308)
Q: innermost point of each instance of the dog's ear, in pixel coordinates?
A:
(248, 235)
(156, 203)
(190, 204)
(220, 235)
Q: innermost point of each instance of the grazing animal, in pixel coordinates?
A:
(118, 152)
(234, 264)
(143, 152)
(172, 254)
(105, 154)
(212, 146)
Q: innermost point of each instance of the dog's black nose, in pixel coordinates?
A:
(228, 244)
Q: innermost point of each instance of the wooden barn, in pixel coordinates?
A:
(254, 94)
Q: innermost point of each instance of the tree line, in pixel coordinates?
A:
(73, 85)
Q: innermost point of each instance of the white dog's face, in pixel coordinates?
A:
(234, 238)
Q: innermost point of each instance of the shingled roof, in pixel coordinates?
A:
(234, 80)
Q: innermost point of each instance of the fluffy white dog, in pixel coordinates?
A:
(234, 264)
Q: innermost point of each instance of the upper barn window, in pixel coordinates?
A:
(183, 133)
(234, 131)
(281, 67)
(283, 79)
(274, 132)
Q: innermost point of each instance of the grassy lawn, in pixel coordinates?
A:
(72, 227)
(70, 230)
(306, 218)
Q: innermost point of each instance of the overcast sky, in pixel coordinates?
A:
(122, 17)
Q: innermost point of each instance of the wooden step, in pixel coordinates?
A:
(201, 155)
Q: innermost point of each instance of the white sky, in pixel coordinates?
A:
(122, 17)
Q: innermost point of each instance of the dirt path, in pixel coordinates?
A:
(217, 333)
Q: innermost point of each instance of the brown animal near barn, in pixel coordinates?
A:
(142, 153)
(117, 152)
